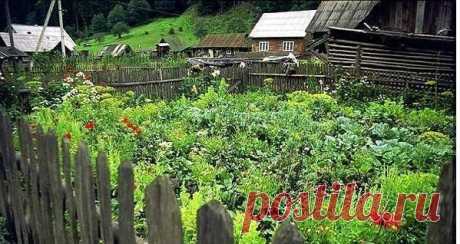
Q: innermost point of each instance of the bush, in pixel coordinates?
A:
(120, 28)
(171, 31)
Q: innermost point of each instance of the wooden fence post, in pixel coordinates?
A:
(287, 233)
(72, 236)
(163, 214)
(103, 189)
(126, 201)
(214, 224)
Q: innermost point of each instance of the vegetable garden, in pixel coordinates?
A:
(218, 145)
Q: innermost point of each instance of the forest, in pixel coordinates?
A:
(78, 15)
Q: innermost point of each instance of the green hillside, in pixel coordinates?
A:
(187, 29)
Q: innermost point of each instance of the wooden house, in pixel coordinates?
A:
(26, 39)
(222, 45)
(410, 36)
(282, 32)
(11, 58)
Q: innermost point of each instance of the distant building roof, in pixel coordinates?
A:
(26, 38)
(282, 24)
(54, 31)
(229, 40)
(115, 50)
(174, 43)
(9, 52)
(345, 14)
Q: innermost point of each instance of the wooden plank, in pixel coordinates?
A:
(126, 201)
(72, 233)
(56, 190)
(287, 233)
(163, 213)
(86, 205)
(103, 183)
(44, 188)
(12, 178)
(214, 224)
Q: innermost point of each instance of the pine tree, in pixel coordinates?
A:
(117, 14)
(138, 11)
(98, 23)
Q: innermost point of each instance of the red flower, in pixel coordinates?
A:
(90, 125)
(68, 136)
(385, 220)
(136, 130)
(125, 120)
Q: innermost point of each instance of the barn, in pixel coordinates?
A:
(282, 32)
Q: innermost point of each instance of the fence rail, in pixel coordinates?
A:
(48, 197)
(164, 82)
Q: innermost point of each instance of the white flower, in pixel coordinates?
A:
(81, 75)
(242, 65)
(69, 80)
(165, 145)
(88, 82)
(215, 73)
(321, 82)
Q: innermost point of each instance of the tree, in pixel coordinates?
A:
(98, 23)
(117, 14)
(120, 28)
(138, 11)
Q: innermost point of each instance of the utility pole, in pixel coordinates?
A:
(8, 22)
(47, 19)
(61, 25)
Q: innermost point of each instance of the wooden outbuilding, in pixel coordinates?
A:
(172, 45)
(413, 37)
(222, 45)
(282, 32)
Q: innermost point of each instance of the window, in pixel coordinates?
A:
(288, 46)
(264, 46)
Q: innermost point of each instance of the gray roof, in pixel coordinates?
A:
(26, 38)
(282, 24)
(345, 14)
(115, 50)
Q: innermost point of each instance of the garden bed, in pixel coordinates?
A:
(222, 146)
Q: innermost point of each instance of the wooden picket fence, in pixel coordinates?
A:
(49, 197)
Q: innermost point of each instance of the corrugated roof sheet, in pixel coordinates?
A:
(231, 40)
(115, 50)
(346, 14)
(28, 42)
(54, 31)
(283, 24)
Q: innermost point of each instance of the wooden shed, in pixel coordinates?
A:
(411, 16)
(222, 45)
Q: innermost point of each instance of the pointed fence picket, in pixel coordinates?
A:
(49, 198)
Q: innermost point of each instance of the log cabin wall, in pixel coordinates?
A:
(422, 56)
(276, 44)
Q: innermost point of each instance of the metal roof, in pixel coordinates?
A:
(28, 42)
(54, 31)
(282, 24)
(228, 40)
(115, 50)
(345, 14)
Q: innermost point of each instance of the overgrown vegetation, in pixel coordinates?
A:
(217, 145)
